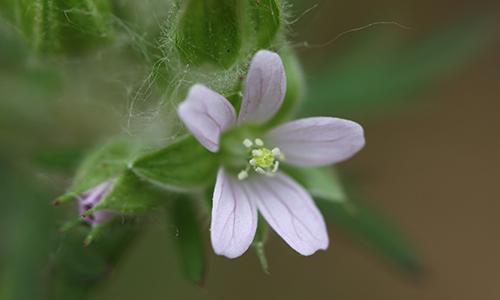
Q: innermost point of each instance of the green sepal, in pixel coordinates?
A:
(259, 243)
(38, 21)
(208, 32)
(54, 25)
(265, 16)
(105, 163)
(130, 194)
(84, 23)
(323, 182)
(188, 239)
(180, 166)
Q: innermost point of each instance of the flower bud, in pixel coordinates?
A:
(91, 198)
(208, 31)
(265, 17)
(55, 25)
(84, 23)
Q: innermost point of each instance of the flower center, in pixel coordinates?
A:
(262, 160)
(263, 157)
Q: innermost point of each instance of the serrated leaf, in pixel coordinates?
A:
(265, 15)
(189, 239)
(208, 31)
(180, 166)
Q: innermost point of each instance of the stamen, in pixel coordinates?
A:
(247, 143)
(276, 166)
(257, 152)
(242, 175)
(262, 160)
(260, 171)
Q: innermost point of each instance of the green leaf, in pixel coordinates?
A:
(379, 72)
(104, 163)
(189, 239)
(265, 15)
(359, 221)
(208, 31)
(180, 166)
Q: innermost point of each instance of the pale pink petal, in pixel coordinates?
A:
(317, 141)
(206, 114)
(291, 212)
(90, 199)
(265, 88)
(234, 217)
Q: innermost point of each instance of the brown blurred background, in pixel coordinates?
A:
(431, 166)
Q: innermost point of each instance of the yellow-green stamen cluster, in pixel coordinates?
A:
(262, 160)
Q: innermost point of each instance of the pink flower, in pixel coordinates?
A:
(260, 186)
(91, 198)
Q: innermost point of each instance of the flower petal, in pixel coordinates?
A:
(317, 141)
(291, 212)
(90, 199)
(234, 217)
(265, 88)
(206, 114)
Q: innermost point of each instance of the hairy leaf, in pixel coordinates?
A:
(180, 166)
(266, 21)
(208, 31)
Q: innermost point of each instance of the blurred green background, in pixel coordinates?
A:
(426, 92)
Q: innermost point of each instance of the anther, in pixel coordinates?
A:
(276, 166)
(247, 143)
(257, 152)
(242, 175)
(260, 171)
